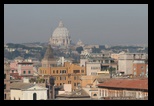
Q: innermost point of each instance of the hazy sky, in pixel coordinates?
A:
(92, 23)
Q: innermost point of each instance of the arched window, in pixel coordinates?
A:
(34, 96)
(95, 95)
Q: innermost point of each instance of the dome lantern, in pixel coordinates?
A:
(61, 24)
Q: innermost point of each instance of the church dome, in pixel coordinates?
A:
(60, 31)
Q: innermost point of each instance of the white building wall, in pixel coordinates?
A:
(68, 87)
(92, 68)
(122, 66)
(28, 95)
(83, 62)
(125, 66)
(16, 94)
(129, 66)
(19, 69)
(126, 60)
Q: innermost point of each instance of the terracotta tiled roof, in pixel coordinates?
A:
(21, 85)
(101, 80)
(126, 83)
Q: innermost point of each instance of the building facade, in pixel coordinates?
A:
(139, 68)
(115, 56)
(27, 91)
(6, 81)
(104, 59)
(60, 36)
(124, 89)
(125, 62)
(25, 69)
(67, 74)
(92, 68)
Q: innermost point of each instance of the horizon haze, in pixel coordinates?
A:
(111, 24)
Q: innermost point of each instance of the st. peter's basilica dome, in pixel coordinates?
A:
(60, 36)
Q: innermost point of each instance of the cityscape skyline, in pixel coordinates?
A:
(92, 24)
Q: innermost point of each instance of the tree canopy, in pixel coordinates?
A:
(79, 49)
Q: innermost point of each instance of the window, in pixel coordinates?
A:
(76, 71)
(78, 84)
(75, 78)
(57, 71)
(82, 71)
(12, 71)
(4, 86)
(142, 67)
(74, 84)
(53, 71)
(60, 78)
(94, 68)
(99, 92)
(60, 84)
(29, 72)
(93, 73)
(4, 76)
(19, 98)
(95, 95)
(14, 98)
(24, 72)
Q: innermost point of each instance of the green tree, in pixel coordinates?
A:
(79, 49)
(111, 71)
(96, 50)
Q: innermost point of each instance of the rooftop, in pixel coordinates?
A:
(126, 83)
(21, 85)
(79, 93)
(49, 53)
